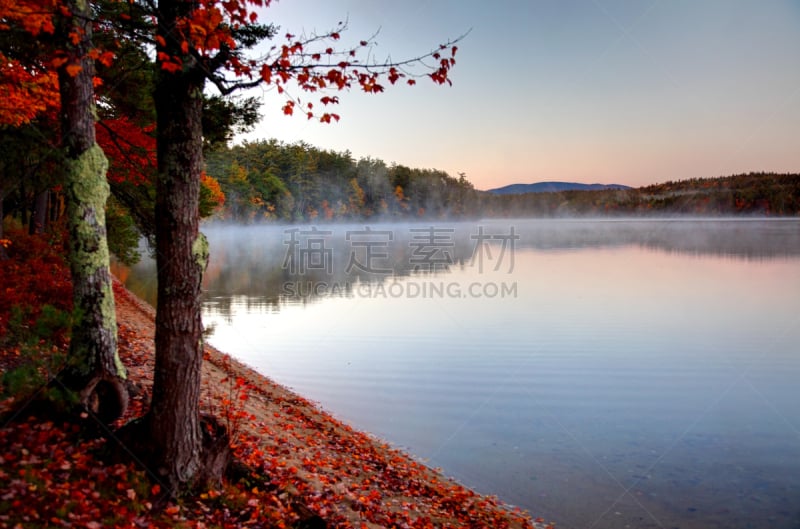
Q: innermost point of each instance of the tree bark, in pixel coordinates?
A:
(181, 256)
(94, 369)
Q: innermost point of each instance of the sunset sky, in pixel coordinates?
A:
(608, 91)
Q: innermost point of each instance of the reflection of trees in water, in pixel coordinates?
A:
(258, 269)
(251, 267)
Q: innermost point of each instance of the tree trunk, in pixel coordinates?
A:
(39, 214)
(55, 208)
(23, 202)
(93, 369)
(181, 257)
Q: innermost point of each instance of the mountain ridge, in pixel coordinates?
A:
(552, 187)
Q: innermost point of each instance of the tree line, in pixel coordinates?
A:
(269, 180)
(755, 193)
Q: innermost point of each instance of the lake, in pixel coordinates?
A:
(605, 374)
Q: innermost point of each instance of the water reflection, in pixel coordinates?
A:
(260, 263)
(259, 266)
(276, 265)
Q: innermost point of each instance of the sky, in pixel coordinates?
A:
(630, 92)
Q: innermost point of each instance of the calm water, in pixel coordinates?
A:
(601, 374)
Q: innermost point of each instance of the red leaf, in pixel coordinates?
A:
(266, 73)
(106, 58)
(171, 67)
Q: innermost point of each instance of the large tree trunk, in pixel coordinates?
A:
(93, 369)
(174, 423)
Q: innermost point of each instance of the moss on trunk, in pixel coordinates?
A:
(94, 340)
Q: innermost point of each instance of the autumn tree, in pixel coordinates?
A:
(28, 101)
(196, 43)
(126, 127)
(63, 32)
(94, 365)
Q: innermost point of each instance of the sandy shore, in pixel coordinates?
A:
(337, 472)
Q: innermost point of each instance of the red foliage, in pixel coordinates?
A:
(309, 62)
(25, 94)
(34, 16)
(52, 477)
(31, 89)
(35, 274)
(130, 148)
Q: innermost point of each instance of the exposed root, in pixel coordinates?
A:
(106, 397)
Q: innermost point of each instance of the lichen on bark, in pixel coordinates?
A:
(95, 334)
(200, 251)
(88, 191)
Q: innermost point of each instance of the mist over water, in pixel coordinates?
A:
(599, 373)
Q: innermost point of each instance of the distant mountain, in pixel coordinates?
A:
(552, 187)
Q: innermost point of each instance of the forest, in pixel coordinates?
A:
(272, 181)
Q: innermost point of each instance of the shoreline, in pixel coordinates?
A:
(337, 471)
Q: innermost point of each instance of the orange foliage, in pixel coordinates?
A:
(215, 194)
(25, 94)
(29, 90)
(33, 16)
(402, 201)
(327, 211)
